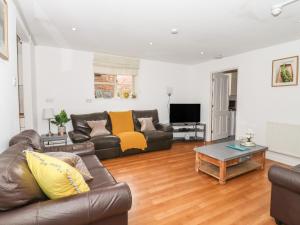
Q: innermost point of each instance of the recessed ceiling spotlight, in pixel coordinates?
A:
(202, 53)
(74, 28)
(174, 31)
(150, 43)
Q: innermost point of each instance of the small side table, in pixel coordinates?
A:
(55, 139)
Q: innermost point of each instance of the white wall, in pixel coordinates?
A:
(65, 80)
(8, 92)
(257, 101)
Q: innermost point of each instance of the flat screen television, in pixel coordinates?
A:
(185, 113)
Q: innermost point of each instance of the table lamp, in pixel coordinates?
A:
(48, 114)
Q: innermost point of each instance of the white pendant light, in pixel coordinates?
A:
(276, 10)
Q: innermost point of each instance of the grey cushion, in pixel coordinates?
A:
(146, 124)
(98, 127)
(144, 114)
(74, 161)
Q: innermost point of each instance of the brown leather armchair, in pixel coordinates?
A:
(107, 203)
(285, 195)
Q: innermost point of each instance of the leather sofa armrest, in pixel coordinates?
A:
(284, 177)
(78, 137)
(82, 149)
(82, 209)
(164, 127)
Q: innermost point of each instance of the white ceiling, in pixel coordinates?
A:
(125, 27)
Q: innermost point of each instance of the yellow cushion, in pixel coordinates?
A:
(121, 122)
(56, 178)
(130, 140)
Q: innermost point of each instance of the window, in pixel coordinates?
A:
(114, 76)
(110, 86)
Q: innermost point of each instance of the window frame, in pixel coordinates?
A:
(115, 86)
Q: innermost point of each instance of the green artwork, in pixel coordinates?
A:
(285, 74)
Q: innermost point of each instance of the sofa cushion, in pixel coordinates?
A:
(17, 184)
(79, 122)
(98, 127)
(107, 141)
(153, 136)
(55, 177)
(102, 178)
(29, 137)
(144, 114)
(73, 160)
(146, 124)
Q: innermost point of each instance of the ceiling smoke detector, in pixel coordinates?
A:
(276, 10)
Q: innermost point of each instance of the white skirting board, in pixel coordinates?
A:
(284, 139)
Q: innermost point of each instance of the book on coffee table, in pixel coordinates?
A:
(237, 147)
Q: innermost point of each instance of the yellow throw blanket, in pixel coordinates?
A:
(123, 127)
(131, 140)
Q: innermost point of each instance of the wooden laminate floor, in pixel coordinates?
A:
(167, 191)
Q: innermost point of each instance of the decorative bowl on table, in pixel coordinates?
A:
(248, 143)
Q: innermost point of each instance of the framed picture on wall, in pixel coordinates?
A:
(285, 72)
(3, 29)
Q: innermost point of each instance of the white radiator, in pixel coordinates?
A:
(284, 138)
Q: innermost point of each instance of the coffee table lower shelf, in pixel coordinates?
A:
(231, 171)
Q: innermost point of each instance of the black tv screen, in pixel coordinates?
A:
(185, 113)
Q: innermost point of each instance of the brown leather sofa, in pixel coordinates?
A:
(285, 195)
(107, 203)
(108, 146)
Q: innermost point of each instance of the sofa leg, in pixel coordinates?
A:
(278, 222)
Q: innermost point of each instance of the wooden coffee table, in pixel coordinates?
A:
(224, 163)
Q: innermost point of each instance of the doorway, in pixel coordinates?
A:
(223, 105)
(20, 84)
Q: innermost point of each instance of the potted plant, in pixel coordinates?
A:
(60, 121)
(126, 93)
